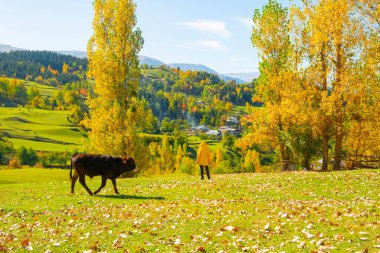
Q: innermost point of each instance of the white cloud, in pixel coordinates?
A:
(210, 44)
(244, 21)
(208, 26)
(206, 44)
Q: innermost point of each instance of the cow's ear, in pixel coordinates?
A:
(125, 159)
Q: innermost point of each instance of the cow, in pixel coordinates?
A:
(106, 166)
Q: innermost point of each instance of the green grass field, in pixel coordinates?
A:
(279, 212)
(45, 90)
(158, 73)
(41, 129)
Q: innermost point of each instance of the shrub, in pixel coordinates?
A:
(14, 163)
(223, 168)
(27, 156)
(39, 79)
(54, 159)
(268, 169)
(6, 151)
(228, 141)
(188, 166)
(251, 161)
(29, 78)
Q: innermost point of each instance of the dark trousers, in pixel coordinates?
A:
(207, 171)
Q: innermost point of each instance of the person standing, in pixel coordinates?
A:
(204, 159)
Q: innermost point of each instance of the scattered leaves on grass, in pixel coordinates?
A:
(237, 213)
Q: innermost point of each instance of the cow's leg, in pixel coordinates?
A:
(114, 186)
(73, 180)
(104, 181)
(82, 180)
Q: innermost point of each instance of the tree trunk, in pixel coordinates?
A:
(284, 158)
(307, 162)
(325, 144)
(338, 146)
(339, 107)
(325, 151)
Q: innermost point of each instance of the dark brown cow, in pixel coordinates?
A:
(109, 167)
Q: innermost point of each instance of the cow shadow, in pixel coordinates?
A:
(122, 196)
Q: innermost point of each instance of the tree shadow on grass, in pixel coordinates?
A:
(122, 196)
(7, 182)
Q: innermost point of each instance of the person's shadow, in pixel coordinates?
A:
(122, 196)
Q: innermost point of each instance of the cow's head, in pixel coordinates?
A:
(129, 163)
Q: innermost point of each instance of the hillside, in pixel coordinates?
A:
(200, 67)
(175, 100)
(149, 61)
(43, 66)
(192, 67)
(8, 48)
(45, 90)
(41, 129)
(158, 74)
(79, 54)
(245, 77)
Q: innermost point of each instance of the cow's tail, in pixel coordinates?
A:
(71, 166)
(71, 169)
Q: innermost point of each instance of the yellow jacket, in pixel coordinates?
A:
(203, 154)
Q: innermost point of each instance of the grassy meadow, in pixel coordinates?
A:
(45, 90)
(278, 212)
(158, 73)
(41, 129)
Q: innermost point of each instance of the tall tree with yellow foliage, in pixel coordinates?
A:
(319, 80)
(364, 128)
(335, 67)
(269, 126)
(113, 63)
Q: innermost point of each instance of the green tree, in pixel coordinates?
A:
(6, 150)
(228, 141)
(27, 156)
(22, 154)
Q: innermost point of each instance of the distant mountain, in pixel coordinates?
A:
(192, 67)
(238, 77)
(246, 77)
(143, 59)
(79, 54)
(199, 67)
(8, 48)
(150, 61)
(227, 78)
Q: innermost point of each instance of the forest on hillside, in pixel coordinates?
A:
(43, 66)
(173, 96)
(174, 101)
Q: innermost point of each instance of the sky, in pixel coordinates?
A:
(214, 33)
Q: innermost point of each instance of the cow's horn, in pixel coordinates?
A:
(136, 170)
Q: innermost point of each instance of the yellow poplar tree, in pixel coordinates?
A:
(337, 70)
(270, 125)
(65, 68)
(113, 63)
(364, 128)
(179, 157)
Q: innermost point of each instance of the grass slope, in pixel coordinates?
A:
(283, 212)
(45, 90)
(158, 73)
(41, 129)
